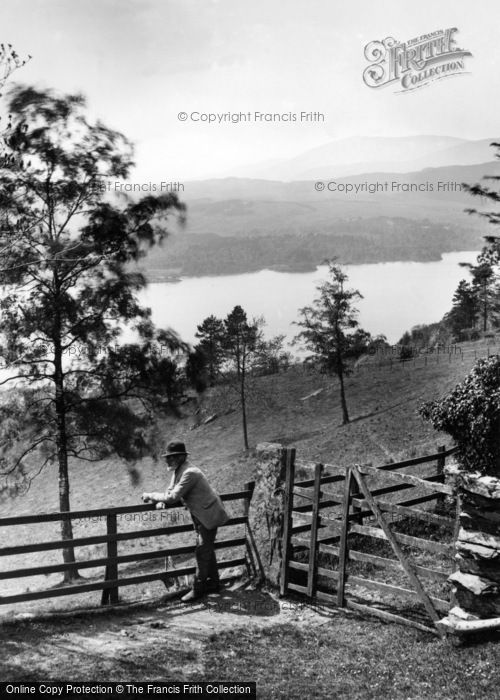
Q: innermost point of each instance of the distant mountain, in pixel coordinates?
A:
(246, 207)
(240, 225)
(355, 155)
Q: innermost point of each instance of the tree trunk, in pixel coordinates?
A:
(485, 312)
(244, 409)
(340, 374)
(343, 402)
(62, 457)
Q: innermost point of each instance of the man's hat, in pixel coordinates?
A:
(175, 448)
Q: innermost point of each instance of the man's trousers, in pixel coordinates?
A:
(206, 563)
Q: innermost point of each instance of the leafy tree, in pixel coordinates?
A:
(425, 338)
(70, 290)
(406, 339)
(378, 345)
(406, 352)
(470, 413)
(331, 331)
(271, 356)
(210, 332)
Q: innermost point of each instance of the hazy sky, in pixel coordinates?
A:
(141, 62)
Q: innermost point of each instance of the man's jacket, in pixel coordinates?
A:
(190, 486)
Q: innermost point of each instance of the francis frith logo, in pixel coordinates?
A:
(414, 63)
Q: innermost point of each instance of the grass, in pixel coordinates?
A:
(353, 658)
(347, 657)
(331, 654)
(384, 426)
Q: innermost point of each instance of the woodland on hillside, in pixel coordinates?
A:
(358, 241)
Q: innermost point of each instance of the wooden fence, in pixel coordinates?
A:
(390, 361)
(112, 580)
(338, 521)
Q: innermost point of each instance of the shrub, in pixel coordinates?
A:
(405, 353)
(470, 413)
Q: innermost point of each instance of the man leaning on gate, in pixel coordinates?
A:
(190, 486)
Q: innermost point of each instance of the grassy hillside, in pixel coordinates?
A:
(383, 399)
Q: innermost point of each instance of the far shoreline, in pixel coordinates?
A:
(174, 277)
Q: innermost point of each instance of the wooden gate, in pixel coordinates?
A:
(329, 535)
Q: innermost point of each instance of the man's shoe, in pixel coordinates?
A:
(168, 582)
(192, 596)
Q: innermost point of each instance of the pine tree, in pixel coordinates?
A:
(240, 343)
(486, 273)
(484, 290)
(464, 309)
(70, 290)
(210, 332)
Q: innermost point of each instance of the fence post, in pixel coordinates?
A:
(313, 548)
(288, 455)
(441, 460)
(110, 595)
(251, 566)
(343, 538)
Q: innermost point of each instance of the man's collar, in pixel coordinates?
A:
(178, 472)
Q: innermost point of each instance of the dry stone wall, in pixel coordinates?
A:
(476, 583)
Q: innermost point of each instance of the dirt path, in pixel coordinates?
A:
(164, 640)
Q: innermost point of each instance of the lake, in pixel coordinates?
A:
(397, 296)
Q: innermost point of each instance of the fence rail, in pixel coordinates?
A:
(454, 354)
(118, 510)
(112, 581)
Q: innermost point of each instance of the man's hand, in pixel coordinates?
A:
(153, 497)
